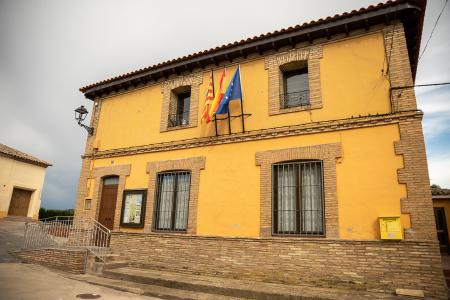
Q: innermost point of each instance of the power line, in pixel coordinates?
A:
(419, 85)
(432, 31)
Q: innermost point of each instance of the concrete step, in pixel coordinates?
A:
(115, 264)
(235, 288)
(149, 290)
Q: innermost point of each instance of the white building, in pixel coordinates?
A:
(21, 180)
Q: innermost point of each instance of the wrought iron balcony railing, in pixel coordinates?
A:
(179, 119)
(294, 99)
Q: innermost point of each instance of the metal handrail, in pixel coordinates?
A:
(68, 232)
(294, 99)
(55, 217)
(179, 119)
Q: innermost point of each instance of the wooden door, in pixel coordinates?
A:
(20, 201)
(108, 203)
(441, 228)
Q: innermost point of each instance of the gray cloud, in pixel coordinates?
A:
(50, 48)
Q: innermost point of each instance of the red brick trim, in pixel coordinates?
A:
(325, 152)
(194, 164)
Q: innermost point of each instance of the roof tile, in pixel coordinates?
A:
(22, 156)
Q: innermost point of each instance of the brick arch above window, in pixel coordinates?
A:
(192, 164)
(275, 63)
(327, 153)
(170, 88)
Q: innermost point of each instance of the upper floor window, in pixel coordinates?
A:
(298, 205)
(179, 112)
(296, 85)
(172, 201)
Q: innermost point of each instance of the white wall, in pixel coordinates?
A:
(22, 175)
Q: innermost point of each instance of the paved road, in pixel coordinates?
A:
(11, 239)
(32, 282)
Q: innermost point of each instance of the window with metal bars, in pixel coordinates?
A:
(298, 205)
(172, 204)
(181, 117)
(296, 85)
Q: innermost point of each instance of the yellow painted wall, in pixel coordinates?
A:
(230, 184)
(351, 81)
(229, 196)
(19, 174)
(445, 203)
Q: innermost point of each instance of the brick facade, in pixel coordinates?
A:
(414, 175)
(86, 162)
(169, 99)
(398, 69)
(414, 263)
(274, 63)
(327, 153)
(371, 265)
(68, 260)
(194, 164)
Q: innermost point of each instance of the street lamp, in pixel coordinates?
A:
(80, 114)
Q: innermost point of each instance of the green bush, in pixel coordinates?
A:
(48, 213)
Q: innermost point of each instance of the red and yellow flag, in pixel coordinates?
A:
(218, 98)
(209, 99)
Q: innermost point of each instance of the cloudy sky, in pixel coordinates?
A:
(50, 48)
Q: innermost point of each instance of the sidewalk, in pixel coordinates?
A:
(33, 282)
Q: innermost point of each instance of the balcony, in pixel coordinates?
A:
(294, 99)
(179, 119)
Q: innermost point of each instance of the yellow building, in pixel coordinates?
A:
(21, 180)
(441, 205)
(332, 144)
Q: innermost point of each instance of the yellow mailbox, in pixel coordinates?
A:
(390, 228)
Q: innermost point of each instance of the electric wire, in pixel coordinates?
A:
(419, 85)
(432, 31)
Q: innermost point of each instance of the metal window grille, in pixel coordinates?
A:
(298, 205)
(295, 99)
(181, 117)
(172, 194)
(296, 88)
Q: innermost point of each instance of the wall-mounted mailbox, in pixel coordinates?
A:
(390, 228)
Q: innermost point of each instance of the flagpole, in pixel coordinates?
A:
(229, 119)
(242, 99)
(214, 94)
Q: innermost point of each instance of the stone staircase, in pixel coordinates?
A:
(118, 273)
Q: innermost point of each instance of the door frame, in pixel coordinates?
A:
(97, 176)
(447, 244)
(31, 201)
(101, 199)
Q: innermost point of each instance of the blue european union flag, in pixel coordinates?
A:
(233, 92)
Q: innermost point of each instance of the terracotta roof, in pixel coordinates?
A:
(436, 190)
(411, 11)
(22, 156)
